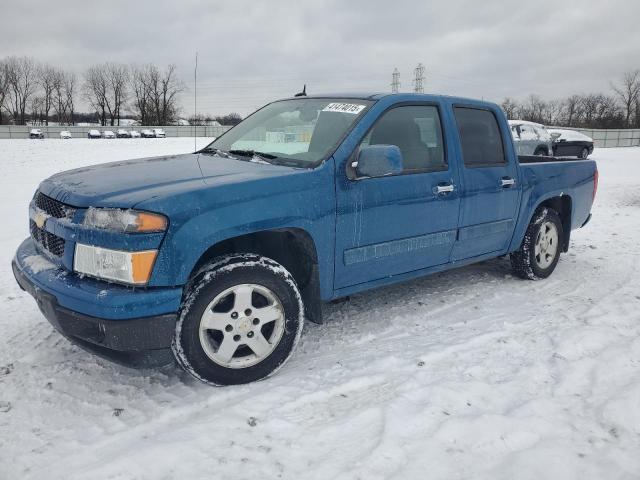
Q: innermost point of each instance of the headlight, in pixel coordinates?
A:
(128, 221)
(127, 267)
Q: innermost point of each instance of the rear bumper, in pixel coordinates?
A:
(134, 341)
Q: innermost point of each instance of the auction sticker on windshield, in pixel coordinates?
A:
(344, 108)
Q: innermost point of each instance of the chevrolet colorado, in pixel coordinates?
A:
(215, 258)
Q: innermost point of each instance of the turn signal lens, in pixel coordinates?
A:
(150, 222)
(127, 221)
(142, 264)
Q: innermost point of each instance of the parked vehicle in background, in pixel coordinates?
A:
(159, 133)
(134, 134)
(121, 133)
(36, 133)
(531, 138)
(569, 143)
(65, 134)
(94, 134)
(217, 257)
(146, 133)
(108, 134)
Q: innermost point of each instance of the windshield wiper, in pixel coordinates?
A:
(253, 153)
(215, 151)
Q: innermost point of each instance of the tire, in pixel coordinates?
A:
(223, 305)
(584, 153)
(540, 151)
(540, 250)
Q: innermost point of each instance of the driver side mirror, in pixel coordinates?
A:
(378, 161)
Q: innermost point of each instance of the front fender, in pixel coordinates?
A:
(306, 202)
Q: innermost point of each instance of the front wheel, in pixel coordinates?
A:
(540, 250)
(240, 320)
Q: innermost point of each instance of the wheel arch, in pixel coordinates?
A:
(292, 247)
(563, 205)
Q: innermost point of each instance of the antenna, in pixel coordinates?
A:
(395, 81)
(303, 93)
(195, 105)
(419, 78)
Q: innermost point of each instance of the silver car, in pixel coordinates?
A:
(531, 138)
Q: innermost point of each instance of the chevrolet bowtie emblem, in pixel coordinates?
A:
(40, 219)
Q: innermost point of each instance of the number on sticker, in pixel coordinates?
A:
(344, 108)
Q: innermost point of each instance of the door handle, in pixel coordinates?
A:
(507, 182)
(443, 188)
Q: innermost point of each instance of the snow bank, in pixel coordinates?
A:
(466, 374)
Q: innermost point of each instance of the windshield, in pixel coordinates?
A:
(298, 132)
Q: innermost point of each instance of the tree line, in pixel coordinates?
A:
(31, 91)
(620, 108)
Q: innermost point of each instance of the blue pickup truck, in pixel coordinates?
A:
(216, 258)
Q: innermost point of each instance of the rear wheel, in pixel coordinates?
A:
(240, 321)
(540, 250)
(584, 153)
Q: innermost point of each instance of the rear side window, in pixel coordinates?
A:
(480, 137)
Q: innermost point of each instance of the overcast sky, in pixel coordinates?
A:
(251, 52)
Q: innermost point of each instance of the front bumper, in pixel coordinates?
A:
(130, 326)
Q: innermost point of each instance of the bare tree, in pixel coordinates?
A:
(510, 108)
(4, 87)
(22, 81)
(37, 109)
(95, 90)
(164, 88)
(47, 76)
(63, 96)
(628, 92)
(69, 87)
(117, 81)
(572, 110)
(140, 88)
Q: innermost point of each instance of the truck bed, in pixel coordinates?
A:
(544, 159)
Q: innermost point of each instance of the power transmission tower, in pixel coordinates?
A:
(418, 80)
(395, 81)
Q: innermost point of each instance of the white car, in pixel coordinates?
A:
(109, 134)
(94, 134)
(159, 133)
(65, 134)
(146, 133)
(531, 138)
(36, 133)
(134, 134)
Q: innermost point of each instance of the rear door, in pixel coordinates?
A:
(490, 186)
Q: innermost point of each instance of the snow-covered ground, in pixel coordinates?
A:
(466, 374)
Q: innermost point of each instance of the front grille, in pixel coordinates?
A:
(53, 207)
(52, 243)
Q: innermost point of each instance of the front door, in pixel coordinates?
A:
(489, 205)
(397, 224)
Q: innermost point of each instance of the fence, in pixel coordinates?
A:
(22, 131)
(601, 138)
(611, 138)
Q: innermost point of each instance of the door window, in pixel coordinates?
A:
(480, 137)
(417, 132)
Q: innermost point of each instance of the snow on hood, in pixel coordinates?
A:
(127, 183)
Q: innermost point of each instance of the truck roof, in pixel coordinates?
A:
(379, 95)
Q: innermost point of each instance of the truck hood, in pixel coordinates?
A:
(127, 183)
